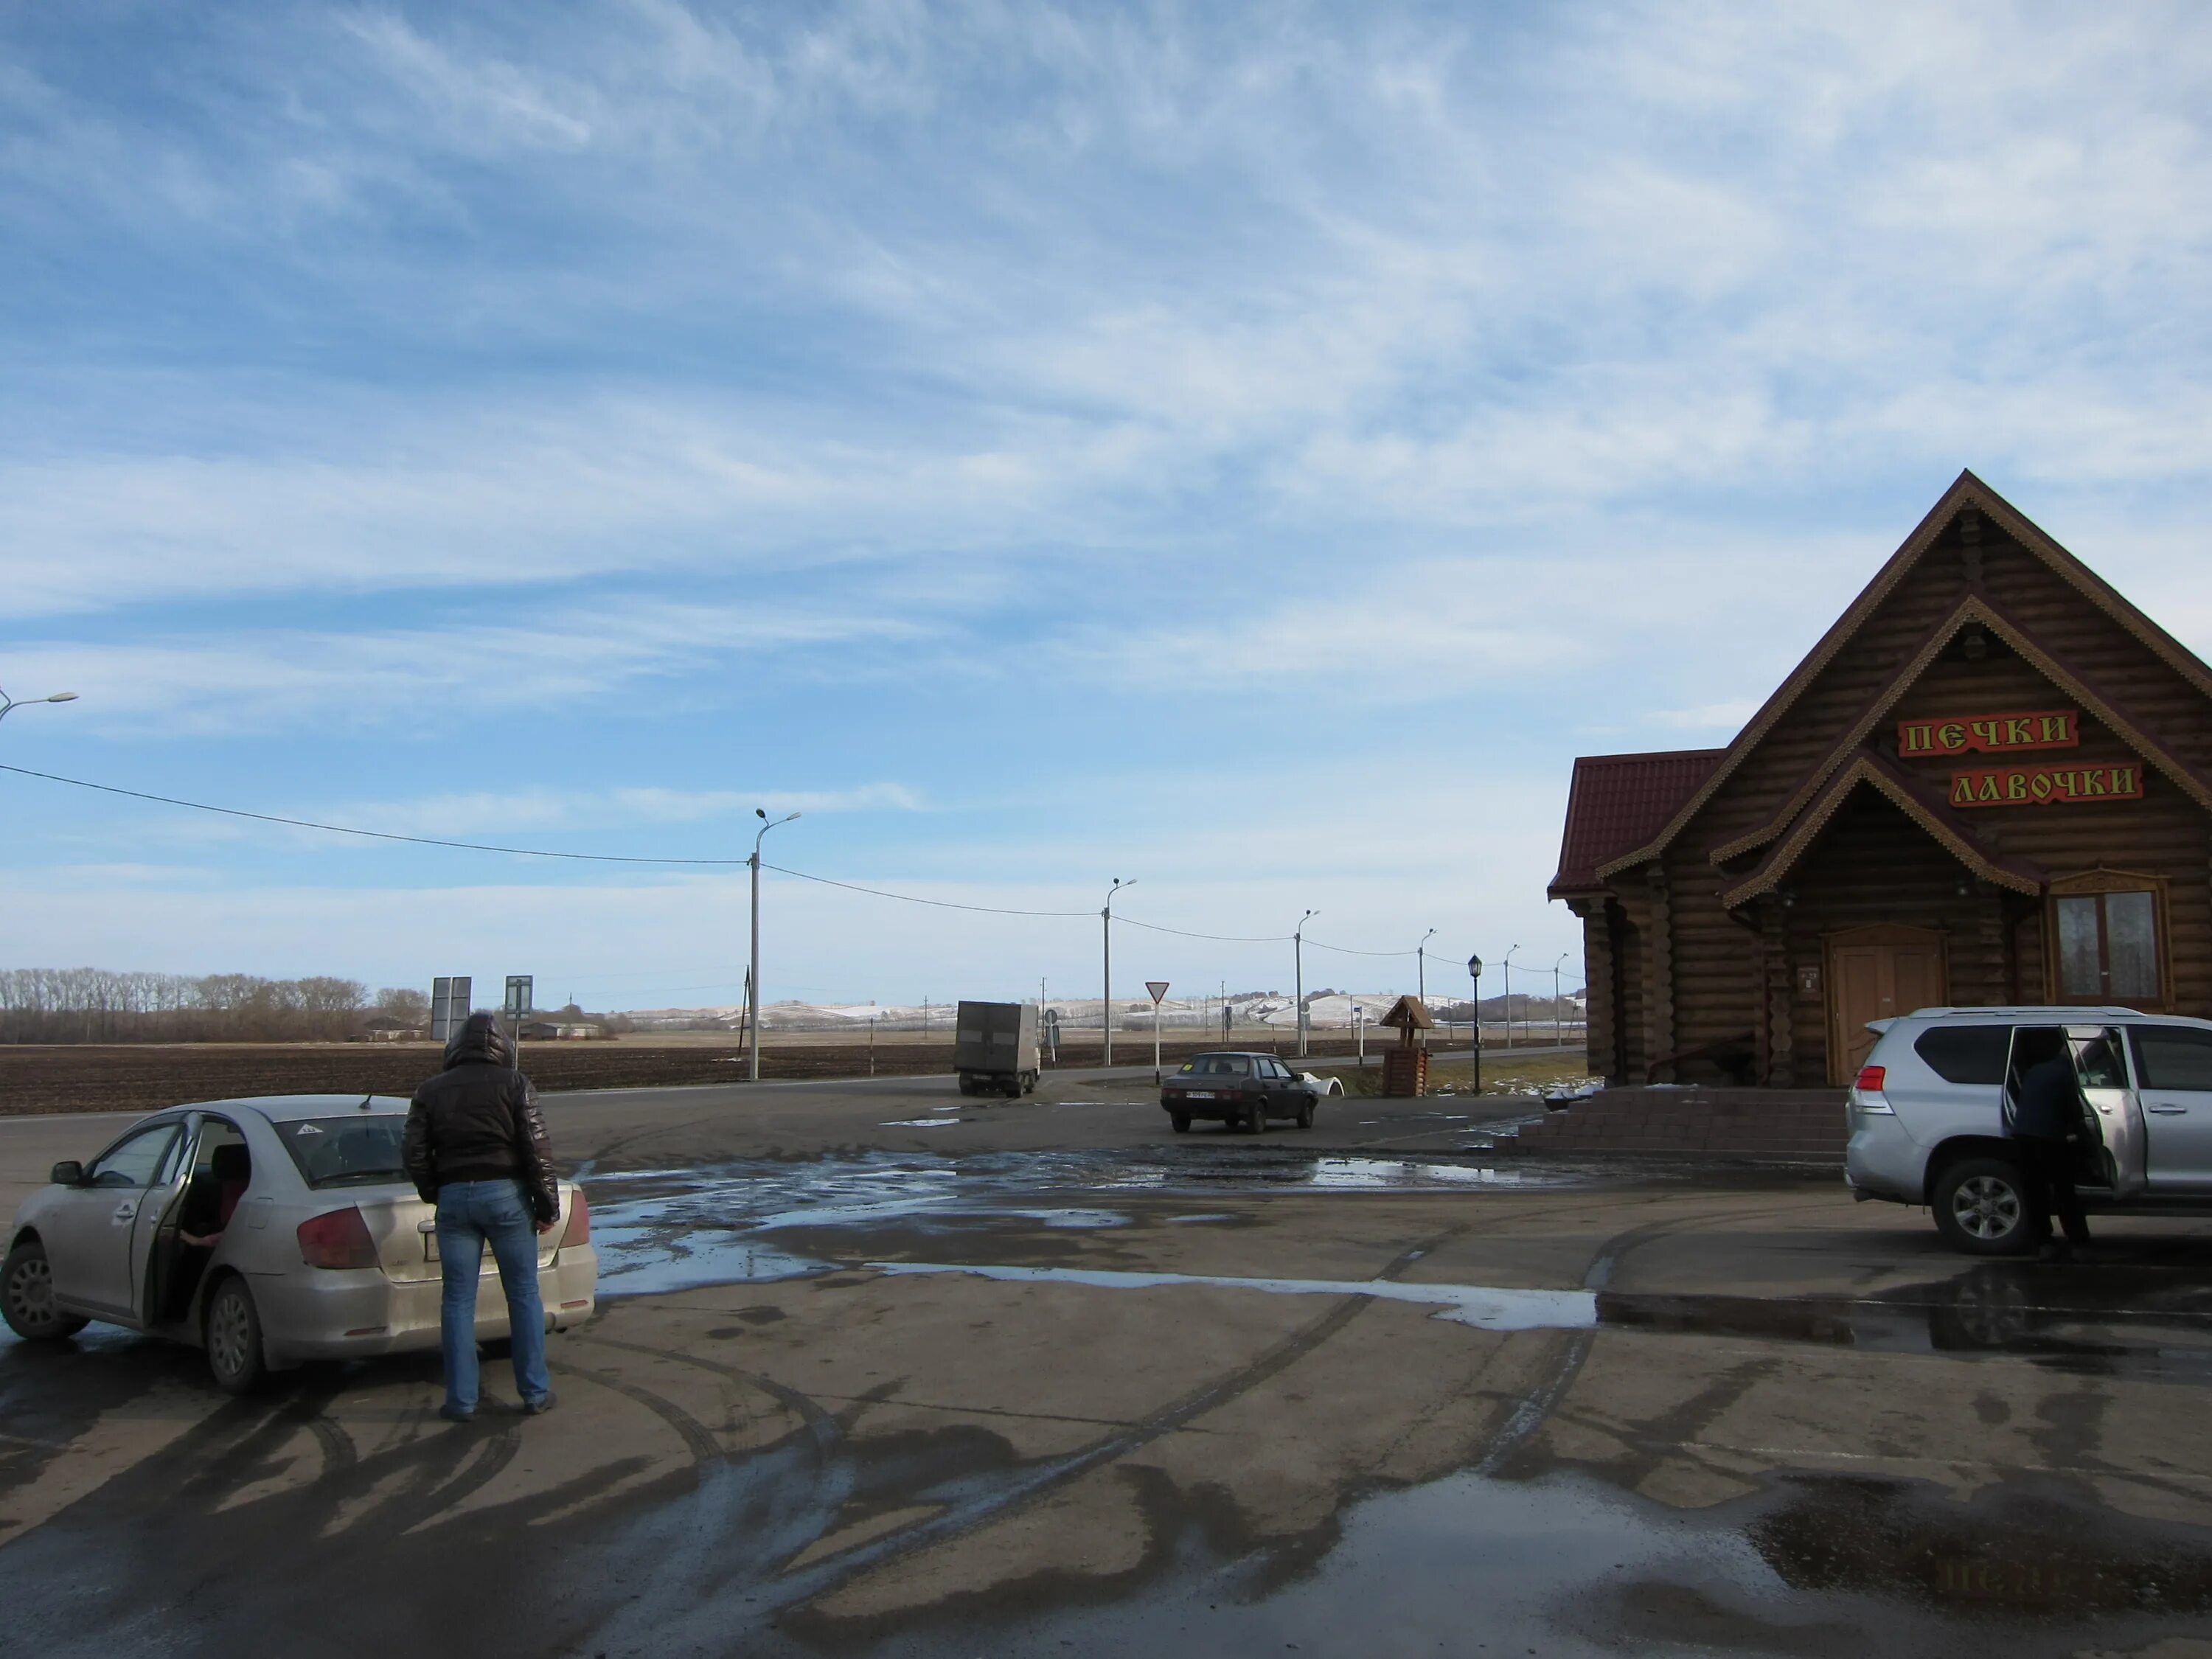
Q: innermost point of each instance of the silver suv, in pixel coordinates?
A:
(1928, 1117)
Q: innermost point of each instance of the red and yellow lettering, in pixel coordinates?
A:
(2038, 785)
(2124, 781)
(1913, 738)
(2019, 732)
(1962, 789)
(2058, 729)
(1988, 792)
(1986, 734)
(2093, 781)
(1951, 737)
(2015, 786)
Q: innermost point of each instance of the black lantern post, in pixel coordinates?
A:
(1474, 972)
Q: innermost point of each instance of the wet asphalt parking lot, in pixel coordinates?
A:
(881, 1371)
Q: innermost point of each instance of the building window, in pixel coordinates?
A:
(2105, 928)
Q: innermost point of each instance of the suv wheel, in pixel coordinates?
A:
(1981, 1207)
(232, 1330)
(27, 1297)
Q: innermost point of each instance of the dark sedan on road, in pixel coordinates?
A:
(1241, 1089)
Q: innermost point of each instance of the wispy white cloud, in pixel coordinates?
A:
(550, 663)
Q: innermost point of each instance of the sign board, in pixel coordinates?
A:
(2037, 786)
(518, 992)
(1989, 734)
(449, 1006)
(1158, 987)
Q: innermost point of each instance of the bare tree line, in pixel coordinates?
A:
(100, 1004)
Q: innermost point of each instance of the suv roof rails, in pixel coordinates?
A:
(2040, 1009)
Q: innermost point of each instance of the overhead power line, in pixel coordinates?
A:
(1224, 939)
(655, 859)
(349, 829)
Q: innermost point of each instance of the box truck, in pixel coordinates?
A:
(994, 1047)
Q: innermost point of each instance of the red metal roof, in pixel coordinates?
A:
(1618, 802)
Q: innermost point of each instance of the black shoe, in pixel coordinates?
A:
(540, 1406)
(455, 1414)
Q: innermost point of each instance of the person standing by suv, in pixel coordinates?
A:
(475, 1147)
(2048, 1109)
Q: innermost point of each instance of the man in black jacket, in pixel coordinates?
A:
(475, 1147)
(2048, 1117)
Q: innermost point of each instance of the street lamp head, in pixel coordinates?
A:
(1475, 966)
(761, 812)
(63, 697)
(795, 817)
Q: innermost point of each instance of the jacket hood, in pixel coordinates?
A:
(481, 1038)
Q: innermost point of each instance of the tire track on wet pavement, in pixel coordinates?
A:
(1535, 1407)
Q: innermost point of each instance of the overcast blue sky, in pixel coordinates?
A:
(1251, 450)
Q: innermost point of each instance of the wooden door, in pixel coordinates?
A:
(1877, 973)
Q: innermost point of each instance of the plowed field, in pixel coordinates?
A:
(144, 1077)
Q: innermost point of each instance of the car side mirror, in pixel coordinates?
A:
(68, 1173)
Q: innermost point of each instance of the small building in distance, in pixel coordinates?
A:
(1990, 782)
(554, 1030)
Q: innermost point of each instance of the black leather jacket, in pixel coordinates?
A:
(478, 1121)
(2047, 1105)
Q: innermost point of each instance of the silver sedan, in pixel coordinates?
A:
(268, 1232)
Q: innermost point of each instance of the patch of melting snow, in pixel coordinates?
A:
(920, 1122)
(1487, 1308)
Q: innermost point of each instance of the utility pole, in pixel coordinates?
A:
(1421, 961)
(1106, 1003)
(752, 975)
(1558, 1029)
(1509, 998)
(1298, 956)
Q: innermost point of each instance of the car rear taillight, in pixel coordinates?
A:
(1871, 1078)
(337, 1239)
(579, 1230)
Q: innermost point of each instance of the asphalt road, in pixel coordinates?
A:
(1049, 1378)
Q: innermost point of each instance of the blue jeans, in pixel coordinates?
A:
(469, 1212)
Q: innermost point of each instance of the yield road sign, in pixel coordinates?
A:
(1158, 987)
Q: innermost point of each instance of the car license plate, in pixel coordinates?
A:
(1198, 1094)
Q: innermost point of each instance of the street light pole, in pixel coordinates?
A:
(1558, 1029)
(8, 703)
(1474, 972)
(1421, 960)
(752, 977)
(1299, 986)
(1106, 1003)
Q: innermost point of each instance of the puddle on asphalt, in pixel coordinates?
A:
(660, 1230)
(1484, 1307)
(1563, 1564)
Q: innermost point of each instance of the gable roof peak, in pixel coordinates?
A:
(1967, 490)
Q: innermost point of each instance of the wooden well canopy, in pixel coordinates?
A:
(1990, 782)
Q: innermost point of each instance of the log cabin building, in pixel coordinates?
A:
(1990, 782)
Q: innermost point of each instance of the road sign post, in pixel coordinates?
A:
(1158, 987)
(521, 991)
(449, 1006)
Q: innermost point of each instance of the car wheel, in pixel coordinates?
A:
(1305, 1115)
(233, 1329)
(27, 1297)
(1255, 1118)
(1981, 1207)
(1180, 1120)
